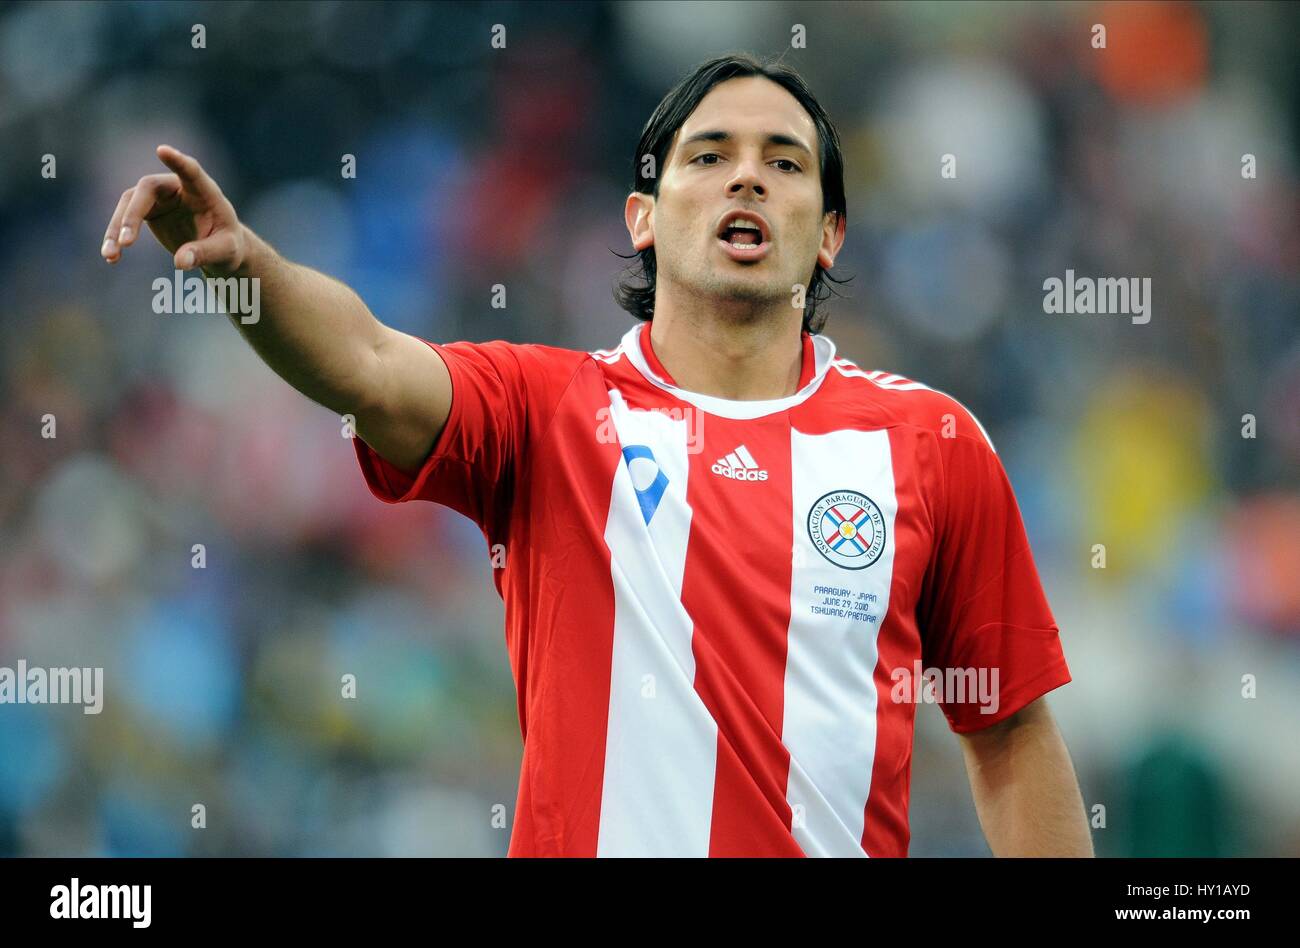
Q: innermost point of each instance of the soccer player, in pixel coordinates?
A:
(728, 551)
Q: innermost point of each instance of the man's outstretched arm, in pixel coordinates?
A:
(313, 331)
(1025, 789)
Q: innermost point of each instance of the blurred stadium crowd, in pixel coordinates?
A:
(478, 166)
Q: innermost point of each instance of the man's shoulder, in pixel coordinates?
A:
(527, 355)
(907, 401)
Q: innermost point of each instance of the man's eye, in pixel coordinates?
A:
(710, 154)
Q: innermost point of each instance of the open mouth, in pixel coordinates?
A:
(744, 236)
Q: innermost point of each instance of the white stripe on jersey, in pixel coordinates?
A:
(662, 743)
(830, 692)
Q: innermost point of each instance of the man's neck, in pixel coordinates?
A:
(738, 359)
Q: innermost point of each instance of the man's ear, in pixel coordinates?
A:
(638, 214)
(833, 227)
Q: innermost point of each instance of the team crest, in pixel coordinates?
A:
(847, 528)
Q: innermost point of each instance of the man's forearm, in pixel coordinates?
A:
(1025, 789)
(312, 330)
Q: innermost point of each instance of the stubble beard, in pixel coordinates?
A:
(741, 295)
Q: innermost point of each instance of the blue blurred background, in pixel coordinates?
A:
(478, 166)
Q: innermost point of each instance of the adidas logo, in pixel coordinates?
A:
(739, 465)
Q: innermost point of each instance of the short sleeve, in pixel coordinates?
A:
(502, 394)
(983, 607)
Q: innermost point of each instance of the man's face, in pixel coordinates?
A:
(765, 165)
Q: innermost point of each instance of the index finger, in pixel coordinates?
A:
(191, 173)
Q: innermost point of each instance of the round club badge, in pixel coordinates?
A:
(847, 528)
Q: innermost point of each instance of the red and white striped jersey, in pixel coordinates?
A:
(709, 602)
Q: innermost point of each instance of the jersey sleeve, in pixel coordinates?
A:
(983, 606)
(502, 394)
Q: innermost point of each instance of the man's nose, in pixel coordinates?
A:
(746, 177)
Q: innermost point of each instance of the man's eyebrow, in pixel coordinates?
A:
(773, 138)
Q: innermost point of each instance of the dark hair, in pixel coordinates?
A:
(637, 295)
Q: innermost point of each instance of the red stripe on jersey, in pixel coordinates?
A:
(885, 830)
(566, 675)
(738, 592)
